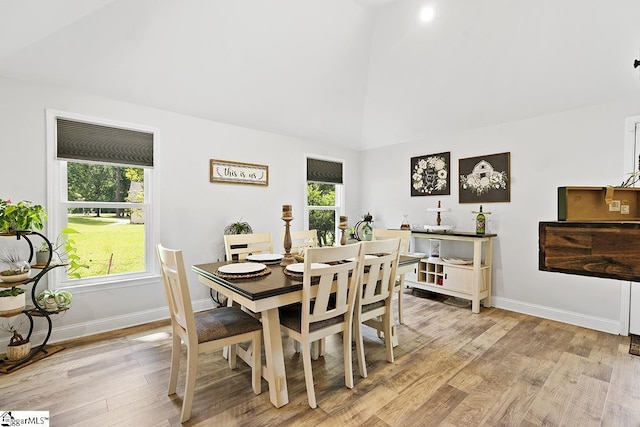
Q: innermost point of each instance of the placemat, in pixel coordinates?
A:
(243, 276)
(297, 276)
(277, 261)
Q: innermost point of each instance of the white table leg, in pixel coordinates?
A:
(275, 372)
(477, 276)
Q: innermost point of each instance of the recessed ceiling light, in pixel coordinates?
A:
(427, 13)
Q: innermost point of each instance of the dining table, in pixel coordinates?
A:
(265, 294)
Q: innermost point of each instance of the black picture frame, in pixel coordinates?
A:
(485, 179)
(431, 175)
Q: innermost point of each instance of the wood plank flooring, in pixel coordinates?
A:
(452, 368)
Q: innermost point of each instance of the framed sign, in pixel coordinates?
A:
(485, 179)
(430, 175)
(238, 172)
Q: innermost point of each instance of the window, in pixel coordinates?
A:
(324, 198)
(101, 181)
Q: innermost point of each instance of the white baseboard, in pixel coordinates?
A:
(78, 330)
(572, 318)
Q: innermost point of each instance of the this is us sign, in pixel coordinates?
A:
(238, 172)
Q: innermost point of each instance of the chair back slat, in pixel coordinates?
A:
(378, 272)
(253, 243)
(404, 235)
(176, 289)
(301, 240)
(340, 279)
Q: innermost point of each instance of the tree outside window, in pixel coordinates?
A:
(321, 200)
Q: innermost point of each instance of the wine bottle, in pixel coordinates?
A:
(480, 222)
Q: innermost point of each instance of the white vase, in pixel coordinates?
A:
(42, 257)
(12, 304)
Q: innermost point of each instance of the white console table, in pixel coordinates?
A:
(472, 281)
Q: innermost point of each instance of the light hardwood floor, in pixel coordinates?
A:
(452, 368)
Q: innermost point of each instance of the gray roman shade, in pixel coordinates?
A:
(91, 142)
(324, 171)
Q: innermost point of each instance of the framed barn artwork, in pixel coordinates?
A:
(485, 179)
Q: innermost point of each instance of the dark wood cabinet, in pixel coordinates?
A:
(599, 249)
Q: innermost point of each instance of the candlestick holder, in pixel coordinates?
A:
(287, 259)
(343, 238)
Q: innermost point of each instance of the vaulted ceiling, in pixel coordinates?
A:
(359, 73)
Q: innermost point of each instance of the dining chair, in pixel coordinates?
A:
(302, 239)
(203, 331)
(329, 288)
(377, 273)
(405, 236)
(238, 246)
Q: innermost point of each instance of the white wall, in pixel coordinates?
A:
(193, 210)
(578, 147)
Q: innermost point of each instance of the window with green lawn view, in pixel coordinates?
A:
(104, 174)
(110, 240)
(324, 198)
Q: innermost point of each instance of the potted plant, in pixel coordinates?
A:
(54, 299)
(12, 300)
(22, 216)
(238, 227)
(64, 252)
(18, 347)
(17, 270)
(43, 254)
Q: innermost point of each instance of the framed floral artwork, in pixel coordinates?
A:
(485, 179)
(430, 175)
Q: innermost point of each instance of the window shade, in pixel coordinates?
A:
(324, 171)
(86, 141)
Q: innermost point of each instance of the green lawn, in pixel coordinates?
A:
(107, 244)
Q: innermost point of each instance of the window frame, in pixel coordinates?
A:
(339, 206)
(57, 207)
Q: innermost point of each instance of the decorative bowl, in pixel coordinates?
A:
(14, 277)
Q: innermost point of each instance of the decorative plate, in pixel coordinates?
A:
(242, 268)
(299, 267)
(438, 227)
(416, 254)
(458, 261)
(265, 257)
(15, 277)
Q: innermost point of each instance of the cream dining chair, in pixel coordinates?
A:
(373, 306)
(302, 239)
(405, 236)
(203, 331)
(320, 314)
(240, 245)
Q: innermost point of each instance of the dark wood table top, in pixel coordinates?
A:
(273, 284)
